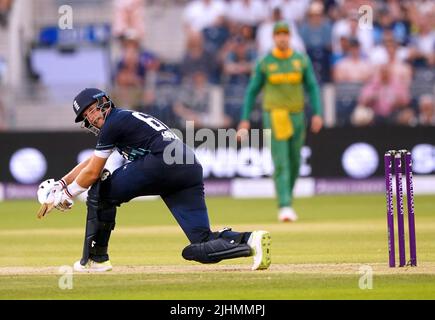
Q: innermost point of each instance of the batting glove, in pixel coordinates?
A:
(62, 199)
(46, 191)
(46, 187)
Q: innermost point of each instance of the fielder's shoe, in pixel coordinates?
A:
(260, 242)
(287, 214)
(93, 266)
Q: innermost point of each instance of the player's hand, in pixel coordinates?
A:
(46, 191)
(46, 187)
(62, 200)
(242, 129)
(316, 123)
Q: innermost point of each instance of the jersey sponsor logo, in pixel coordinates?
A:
(98, 95)
(169, 135)
(283, 78)
(272, 67)
(76, 105)
(297, 64)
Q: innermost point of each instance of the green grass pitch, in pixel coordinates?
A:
(321, 256)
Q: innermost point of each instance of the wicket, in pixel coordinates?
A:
(388, 161)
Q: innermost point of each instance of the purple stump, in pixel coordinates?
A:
(399, 202)
(390, 209)
(410, 203)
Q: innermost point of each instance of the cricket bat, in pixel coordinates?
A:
(44, 209)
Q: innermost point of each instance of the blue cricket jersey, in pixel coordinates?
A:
(134, 134)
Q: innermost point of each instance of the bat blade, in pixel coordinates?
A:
(44, 209)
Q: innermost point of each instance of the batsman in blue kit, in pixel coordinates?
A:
(142, 140)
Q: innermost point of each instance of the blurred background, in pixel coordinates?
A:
(184, 60)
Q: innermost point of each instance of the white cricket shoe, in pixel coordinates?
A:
(287, 214)
(92, 266)
(260, 242)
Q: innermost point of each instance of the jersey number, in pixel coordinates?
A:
(152, 122)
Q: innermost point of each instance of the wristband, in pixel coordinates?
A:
(74, 189)
(63, 183)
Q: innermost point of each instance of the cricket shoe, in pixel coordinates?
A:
(287, 214)
(260, 242)
(93, 266)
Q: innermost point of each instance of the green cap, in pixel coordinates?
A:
(281, 26)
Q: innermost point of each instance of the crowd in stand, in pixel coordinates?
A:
(385, 67)
(382, 69)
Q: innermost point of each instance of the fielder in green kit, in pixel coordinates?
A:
(284, 74)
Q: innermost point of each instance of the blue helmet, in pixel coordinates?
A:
(85, 99)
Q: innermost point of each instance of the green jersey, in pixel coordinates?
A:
(283, 76)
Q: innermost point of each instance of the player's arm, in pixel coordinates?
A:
(254, 87)
(87, 173)
(89, 167)
(90, 173)
(312, 87)
(78, 180)
(70, 176)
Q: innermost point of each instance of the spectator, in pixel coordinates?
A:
(422, 51)
(237, 33)
(385, 94)
(215, 37)
(292, 10)
(390, 52)
(405, 117)
(130, 70)
(353, 68)
(400, 12)
(128, 18)
(197, 58)
(200, 14)
(344, 52)
(395, 9)
(130, 74)
(247, 33)
(247, 12)
(348, 27)
(380, 55)
(239, 62)
(264, 40)
(5, 8)
(426, 110)
(386, 22)
(399, 68)
(193, 103)
(316, 34)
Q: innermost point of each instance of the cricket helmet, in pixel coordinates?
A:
(87, 98)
